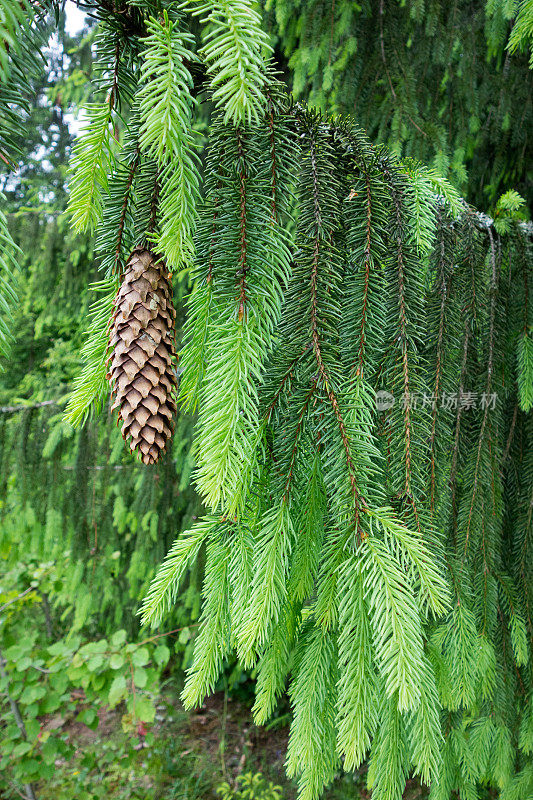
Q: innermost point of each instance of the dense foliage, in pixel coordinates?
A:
(445, 83)
(72, 679)
(334, 527)
(357, 349)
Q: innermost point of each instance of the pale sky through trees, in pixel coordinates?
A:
(75, 17)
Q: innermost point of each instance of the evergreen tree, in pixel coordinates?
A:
(445, 83)
(358, 350)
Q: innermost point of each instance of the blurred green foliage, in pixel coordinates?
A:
(45, 678)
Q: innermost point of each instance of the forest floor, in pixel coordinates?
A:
(183, 756)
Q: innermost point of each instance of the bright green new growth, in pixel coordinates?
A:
(165, 110)
(426, 188)
(90, 164)
(165, 102)
(235, 51)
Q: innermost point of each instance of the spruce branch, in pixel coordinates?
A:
(522, 31)
(91, 389)
(25, 30)
(389, 758)
(213, 640)
(396, 624)
(115, 234)
(165, 99)
(524, 358)
(163, 589)
(410, 545)
(275, 663)
(13, 18)
(235, 51)
(165, 108)
(90, 163)
(274, 542)
(357, 701)
(311, 753)
(488, 386)
(424, 730)
(244, 277)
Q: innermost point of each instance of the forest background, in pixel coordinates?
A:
(88, 703)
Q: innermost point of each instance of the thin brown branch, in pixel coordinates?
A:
(124, 209)
(445, 291)
(243, 256)
(113, 92)
(511, 434)
(284, 380)
(403, 339)
(16, 409)
(16, 599)
(315, 336)
(15, 710)
(154, 205)
(490, 366)
(294, 450)
(366, 267)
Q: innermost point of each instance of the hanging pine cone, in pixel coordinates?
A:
(142, 358)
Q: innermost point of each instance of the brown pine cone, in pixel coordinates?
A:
(143, 357)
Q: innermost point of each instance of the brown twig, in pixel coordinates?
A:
(124, 209)
(243, 256)
(366, 267)
(445, 291)
(317, 349)
(488, 384)
(16, 409)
